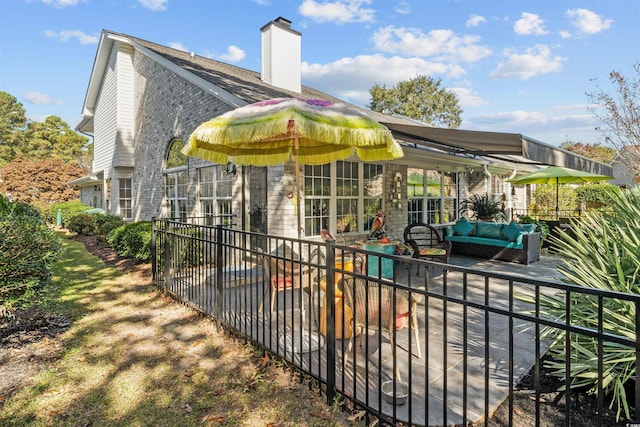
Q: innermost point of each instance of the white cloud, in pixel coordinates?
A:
(475, 20)
(66, 35)
(178, 46)
(339, 12)
(403, 8)
(468, 97)
(351, 78)
(588, 22)
(532, 62)
(62, 3)
(155, 5)
(528, 24)
(440, 44)
(38, 98)
(234, 54)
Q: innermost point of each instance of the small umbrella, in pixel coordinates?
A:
(558, 175)
(308, 131)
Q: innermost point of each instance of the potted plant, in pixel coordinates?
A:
(484, 206)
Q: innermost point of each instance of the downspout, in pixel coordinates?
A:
(511, 192)
(487, 178)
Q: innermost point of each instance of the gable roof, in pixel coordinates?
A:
(235, 85)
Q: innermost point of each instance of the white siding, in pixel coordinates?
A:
(105, 120)
(125, 108)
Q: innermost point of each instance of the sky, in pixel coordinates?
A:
(520, 66)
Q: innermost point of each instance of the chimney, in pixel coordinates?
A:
(281, 55)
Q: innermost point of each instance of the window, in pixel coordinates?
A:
(124, 197)
(215, 190)
(317, 195)
(175, 181)
(341, 196)
(433, 196)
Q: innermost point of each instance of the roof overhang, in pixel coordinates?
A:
(84, 181)
(507, 147)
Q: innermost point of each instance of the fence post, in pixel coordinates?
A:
(167, 257)
(219, 272)
(154, 254)
(331, 320)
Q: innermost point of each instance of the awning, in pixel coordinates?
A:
(510, 147)
(84, 181)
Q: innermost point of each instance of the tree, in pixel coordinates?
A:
(39, 182)
(54, 138)
(12, 126)
(620, 115)
(420, 98)
(596, 152)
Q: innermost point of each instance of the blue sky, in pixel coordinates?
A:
(517, 66)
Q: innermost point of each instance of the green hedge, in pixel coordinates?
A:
(132, 240)
(67, 210)
(28, 250)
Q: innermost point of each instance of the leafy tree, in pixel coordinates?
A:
(12, 126)
(54, 138)
(596, 152)
(620, 115)
(40, 182)
(420, 98)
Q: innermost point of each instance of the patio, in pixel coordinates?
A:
(474, 351)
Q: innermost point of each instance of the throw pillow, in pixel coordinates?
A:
(511, 231)
(463, 227)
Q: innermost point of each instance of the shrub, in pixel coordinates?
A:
(132, 240)
(602, 253)
(28, 250)
(82, 224)
(67, 210)
(105, 224)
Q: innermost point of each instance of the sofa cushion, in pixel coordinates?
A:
(463, 227)
(490, 230)
(501, 243)
(461, 239)
(511, 231)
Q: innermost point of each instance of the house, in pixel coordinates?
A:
(143, 101)
(625, 176)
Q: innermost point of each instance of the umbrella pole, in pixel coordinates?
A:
(557, 203)
(297, 145)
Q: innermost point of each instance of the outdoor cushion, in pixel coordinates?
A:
(461, 239)
(463, 227)
(490, 230)
(511, 231)
(501, 243)
(432, 251)
(529, 228)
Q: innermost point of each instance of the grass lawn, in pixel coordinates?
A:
(134, 357)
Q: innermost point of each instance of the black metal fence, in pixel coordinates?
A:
(408, 340)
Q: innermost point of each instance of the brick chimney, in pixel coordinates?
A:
(281, 55)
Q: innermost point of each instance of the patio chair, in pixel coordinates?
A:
(372, 308)
(281, 275)
(427, 243)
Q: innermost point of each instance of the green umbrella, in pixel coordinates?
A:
(558, 175)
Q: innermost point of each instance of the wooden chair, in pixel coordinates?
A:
(281, 275)
(427, 242)
(372, 307)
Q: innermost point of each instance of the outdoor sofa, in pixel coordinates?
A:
(507, 242)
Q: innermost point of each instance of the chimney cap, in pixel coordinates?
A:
(282, 23)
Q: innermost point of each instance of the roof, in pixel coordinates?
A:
(238, 86)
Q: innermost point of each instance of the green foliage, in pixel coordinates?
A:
(597, 195)
(28, 249)
(593, 151)
(82, 224)
(13, 121)
(483, 206)
(602, 253)
(67, 210)
(543, 227)
(544, 198)
(105, 224)
(420, 98)
(132, 240)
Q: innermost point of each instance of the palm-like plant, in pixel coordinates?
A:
(603, 253)
(483, 206)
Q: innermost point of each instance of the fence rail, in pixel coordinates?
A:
(458, 339)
